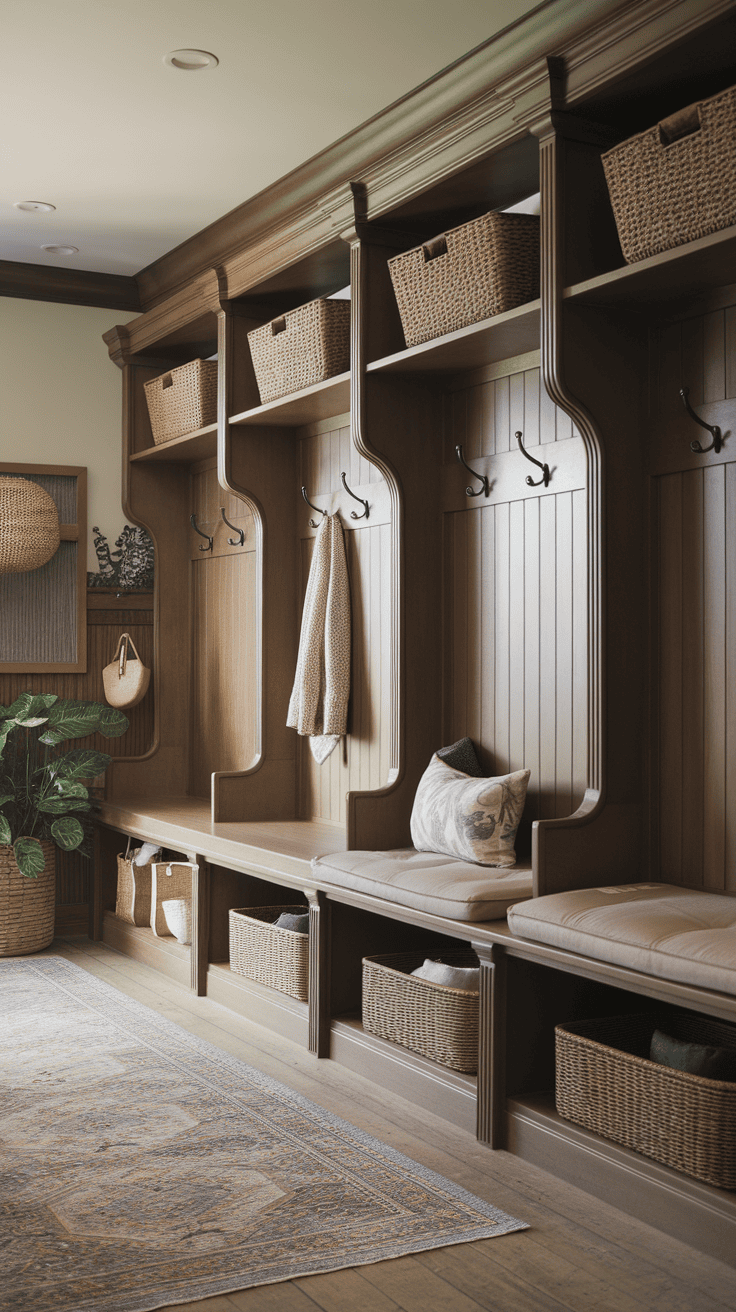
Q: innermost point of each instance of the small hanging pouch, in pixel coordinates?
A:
(125, 680)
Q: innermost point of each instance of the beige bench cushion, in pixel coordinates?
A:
(660, 929)
(427, 881)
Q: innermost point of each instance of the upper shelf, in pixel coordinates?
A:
(514, 333)
(321, 401)
(682, 272)
(198, 445)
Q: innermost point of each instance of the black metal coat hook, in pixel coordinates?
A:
(353, 513)
(209, 540)
(317, 508)
(484, 483)
(544, 468)
(713, 429)
(240, 539)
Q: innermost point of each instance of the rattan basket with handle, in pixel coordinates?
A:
(169, 879)
(302, 347)
(606, 1083)
(276, 957)
(27, 906)
(467, 274)
(182, 400)
(431, 1019)
(133, 896)
(675, 182)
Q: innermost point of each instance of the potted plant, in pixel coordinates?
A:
(44, 804)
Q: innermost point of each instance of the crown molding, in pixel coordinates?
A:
(39, 282)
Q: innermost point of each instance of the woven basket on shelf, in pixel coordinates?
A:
(169, 879)
(278, 958)
(467, 274)
(182, 400)
(29, 526)
(302, 347)
(676, 181)
(606, 1083)
(431, 1019)
(133, 898)
(27, 906)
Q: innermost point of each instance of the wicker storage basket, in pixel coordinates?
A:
(467, 274)
(278, 958)
(169, 879)
(133, 899)
(431, 1019)
(27, 906)
(183, 400)
(676, 181)
(605, 1082)
(302, 347)
(30, 526)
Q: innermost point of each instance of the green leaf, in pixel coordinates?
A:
(68, 719)
(27, 708)
(61, 805)
(113, 723)
(68, 789)
(82, 763)
(33, 722)
(67, 832)
(29, 855)
(7, 797)
(5, 831)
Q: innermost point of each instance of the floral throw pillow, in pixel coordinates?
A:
(468, 818)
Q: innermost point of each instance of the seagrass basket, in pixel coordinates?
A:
(436, 1021)
(27, 906)
(278, 958)
(676, 181)
(133, 897)
(302, 347)
(467, 274)
(606, 1083)
(182, 400)
(169, 879)
(30, 526)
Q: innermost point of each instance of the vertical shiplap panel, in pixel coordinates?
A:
(670, 678)
(729, 855)
(714, 669)
(547, 416)
(531, 753)
(669, 370)
(730, 350)
(474, 603)
(502, 414)
(692, 359)
(503, 603)
(517, 634)
(563, 663)
(547, 656)
(460, 624)
(486, 419)
(473, 422)
(580, 671)
(516, 408)
(488, 624)
(531, 407)
(714, 357)
(692, 677)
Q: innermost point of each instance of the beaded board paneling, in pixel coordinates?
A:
(361, 759)
(515, 621)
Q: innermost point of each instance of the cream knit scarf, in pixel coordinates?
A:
(319, 699)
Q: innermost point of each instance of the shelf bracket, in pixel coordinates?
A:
(713, 429)
(544, 468)
(484, 483)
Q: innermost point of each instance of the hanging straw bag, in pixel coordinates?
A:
(125, 681)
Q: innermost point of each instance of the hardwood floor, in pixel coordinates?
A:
(579, 1254)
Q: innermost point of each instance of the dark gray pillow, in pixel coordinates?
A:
(694, 1058)
(298, 923)
(461, 756)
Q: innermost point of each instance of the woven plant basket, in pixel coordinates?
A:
(302, 347)
(676, 181)
(428, 1018)
(29, 526)
(169, 879)
(278, 958)
(467, 274)
(183, 400)
(27, 906)
(133, 898)
(605, 1082)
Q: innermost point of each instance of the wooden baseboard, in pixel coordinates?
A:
(268, 1007)
(164, 954)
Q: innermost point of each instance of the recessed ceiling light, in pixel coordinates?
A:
(61, 250)
(191, 61)
(36, 206)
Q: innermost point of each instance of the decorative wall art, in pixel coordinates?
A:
(130, 565)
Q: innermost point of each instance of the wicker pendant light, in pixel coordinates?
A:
(29, 526)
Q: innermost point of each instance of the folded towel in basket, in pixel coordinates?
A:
(454, 977)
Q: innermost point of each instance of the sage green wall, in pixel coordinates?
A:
(60, 399)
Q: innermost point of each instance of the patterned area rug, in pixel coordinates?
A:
(142, 1167)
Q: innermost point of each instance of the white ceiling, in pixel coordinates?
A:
(137, 156)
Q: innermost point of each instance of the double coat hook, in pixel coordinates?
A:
(353, 513)
(713, 429)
